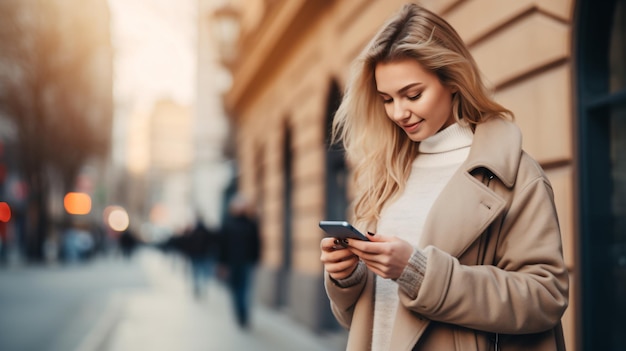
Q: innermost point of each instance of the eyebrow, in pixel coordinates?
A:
(403, 89)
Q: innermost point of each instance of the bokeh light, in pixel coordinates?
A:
(117, 218)
(77, 203)
(5, 212)
(158, 214)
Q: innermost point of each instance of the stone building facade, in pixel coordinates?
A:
(293, 61)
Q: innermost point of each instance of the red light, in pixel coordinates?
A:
(5, 212)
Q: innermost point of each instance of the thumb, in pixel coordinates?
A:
(377, 237)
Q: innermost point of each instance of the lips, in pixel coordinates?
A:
(412, 126)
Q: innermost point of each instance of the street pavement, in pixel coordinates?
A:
(51, 307)
(143, 304)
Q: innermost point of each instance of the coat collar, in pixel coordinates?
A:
(497, 146)
(466, 207)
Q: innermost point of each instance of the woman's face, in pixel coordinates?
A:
(414, 98)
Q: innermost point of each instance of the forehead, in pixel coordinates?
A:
(393, 75)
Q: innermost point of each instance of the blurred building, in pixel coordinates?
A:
(212, 169)
(559, 65)
(170, 158)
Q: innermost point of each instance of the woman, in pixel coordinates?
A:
(465, 249)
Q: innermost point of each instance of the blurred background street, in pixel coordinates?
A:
(145, 303)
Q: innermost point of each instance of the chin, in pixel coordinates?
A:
(417, 137)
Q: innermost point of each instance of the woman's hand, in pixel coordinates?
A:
(387, 256)
(338, 261)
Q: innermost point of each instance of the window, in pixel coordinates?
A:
(336, 170)
(601, 67)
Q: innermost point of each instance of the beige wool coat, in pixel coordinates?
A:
(495, 270)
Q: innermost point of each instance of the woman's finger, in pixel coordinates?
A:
(378, 269)
(336, 256)
(331, 244)
(341, 266)
(342, 269)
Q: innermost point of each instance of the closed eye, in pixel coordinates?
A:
(415, 97)
(386, 99)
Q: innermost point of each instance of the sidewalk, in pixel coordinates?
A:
(167, 317)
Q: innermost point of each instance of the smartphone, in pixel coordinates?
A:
(341, 230)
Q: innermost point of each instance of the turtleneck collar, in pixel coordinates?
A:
(454, 137)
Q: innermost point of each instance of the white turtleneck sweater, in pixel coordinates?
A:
(439, 157)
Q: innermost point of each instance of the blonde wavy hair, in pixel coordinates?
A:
(379, 151)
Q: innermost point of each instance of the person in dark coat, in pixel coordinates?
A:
(127, 243)
(200, 246)
(239, 255)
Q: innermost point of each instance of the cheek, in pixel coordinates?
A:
(446, 105)
(439, 107)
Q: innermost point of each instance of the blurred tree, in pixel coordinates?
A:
(50, 56)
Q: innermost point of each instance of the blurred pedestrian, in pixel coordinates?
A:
(239, 254)
(200, 246)
(127, 243)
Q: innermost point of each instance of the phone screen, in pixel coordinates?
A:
(341, 230)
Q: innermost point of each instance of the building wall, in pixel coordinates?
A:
(523, 48)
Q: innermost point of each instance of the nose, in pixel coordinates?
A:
(400, 111)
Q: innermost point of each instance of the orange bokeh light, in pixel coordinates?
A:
(5, 212)
(77, 203)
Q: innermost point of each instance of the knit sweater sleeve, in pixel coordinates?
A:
(352, 279)
(413, 274)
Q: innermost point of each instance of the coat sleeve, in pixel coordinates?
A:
(525, 291)
(343, 299)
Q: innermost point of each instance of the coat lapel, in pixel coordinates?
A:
(466, 207)
(452, 225)
(407, 329)
(462, 212)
